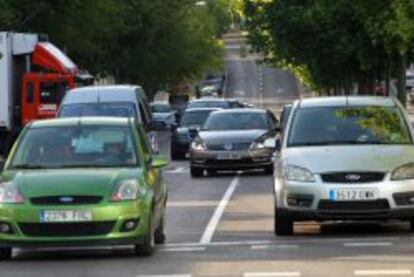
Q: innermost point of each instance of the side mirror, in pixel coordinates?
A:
(159, 161)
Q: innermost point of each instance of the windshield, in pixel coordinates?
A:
(195, 118)
(348, 125)
(160, 108)
(209, 104)
(76, 146)
(236, 121)
(99, 109)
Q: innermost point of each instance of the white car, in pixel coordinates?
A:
(164, 117)
(345, 158)
(409, 80)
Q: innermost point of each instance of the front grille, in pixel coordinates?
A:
(66, 200)
(234, 147)
(353, 207)
(353, 177)
(66, 229)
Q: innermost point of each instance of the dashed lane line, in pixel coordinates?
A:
(268, 247)
(383, 272)
(273, 274)
(184, 249)
(368, 244)
(214, 221)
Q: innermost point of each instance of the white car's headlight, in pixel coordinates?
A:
(128, 190)
(299, 174)
(403, 172)
(9, 194)
(198, 145)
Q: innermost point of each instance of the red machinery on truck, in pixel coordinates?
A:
(34, 76)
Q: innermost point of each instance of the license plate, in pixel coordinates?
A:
(353, 194)
(65, 216)
(229, 156)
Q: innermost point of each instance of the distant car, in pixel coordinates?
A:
(190, 124)
(409, 83)
(163, 115)
(215, 80)
(82, 182)
(235, 139)
(209, 91)
(209, 102)
(345, 158)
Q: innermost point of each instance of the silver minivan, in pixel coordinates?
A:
(114, 100)
(345, 158)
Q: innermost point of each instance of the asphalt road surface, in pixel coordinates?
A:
(223, 225)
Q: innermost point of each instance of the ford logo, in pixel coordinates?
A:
(66, 199)
(353, 177)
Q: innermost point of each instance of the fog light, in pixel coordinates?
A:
(303, 200)
(5, 228)
(129, 225)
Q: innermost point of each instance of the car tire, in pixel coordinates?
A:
(268, 170)
(148, 246)
(196, 172)
(283, 224)
(160, 236)
(5, 253)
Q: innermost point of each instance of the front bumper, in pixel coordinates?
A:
(312, 201)
(106, 227)
(241, 159)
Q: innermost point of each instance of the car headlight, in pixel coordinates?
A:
(9, 193)
(257, 145)
(299, 174)
(403, 172)
(198, 145)
(128, 190)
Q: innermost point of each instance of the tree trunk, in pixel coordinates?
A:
(402, 92)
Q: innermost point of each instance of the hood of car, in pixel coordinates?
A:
(383, 158)
(69, 182)
(231, 136)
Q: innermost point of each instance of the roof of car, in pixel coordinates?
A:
(71, 121)
(337, 101)
(203, 109)
(209, 99)
(93, 94)
(242, 110)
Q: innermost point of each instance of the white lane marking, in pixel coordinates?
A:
(180, 169)
(217, 243)
(273, 274)
(212, 225)
(184, 249)
(368, 244)
(383, 272)
(184, 204)
(172, 275)
(266, 247)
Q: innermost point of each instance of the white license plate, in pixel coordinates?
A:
(65, 216)
(353, 194)
(229, 156)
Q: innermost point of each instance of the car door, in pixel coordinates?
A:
(154, 176)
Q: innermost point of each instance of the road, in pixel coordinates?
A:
(223, 225)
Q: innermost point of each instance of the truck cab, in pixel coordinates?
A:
(34, 77)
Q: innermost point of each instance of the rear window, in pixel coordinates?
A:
(99, 109)
(209, 104)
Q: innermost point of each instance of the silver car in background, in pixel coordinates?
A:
(345, 158)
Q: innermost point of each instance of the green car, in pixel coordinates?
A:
(82, 182)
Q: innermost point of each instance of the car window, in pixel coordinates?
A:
(236, 121)
(76, 146)
(348, 125)
(208, 104)
(160, 108)
(194, 118)
(121, 109)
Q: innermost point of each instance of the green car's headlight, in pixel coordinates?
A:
(298, 174)
(9, 193)
(403, 172)
(128, 190)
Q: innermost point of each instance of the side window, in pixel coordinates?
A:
(145, 144)
(272, 120)
(143, 115)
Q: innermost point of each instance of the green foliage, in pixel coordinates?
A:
(334, 44)
(152, 42)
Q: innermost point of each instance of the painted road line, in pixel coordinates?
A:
(216, 243)
(368, 244)
(273, 274)
(267, 247)
(383, 272)
(212, 225)
(184, 249)
(180, 169)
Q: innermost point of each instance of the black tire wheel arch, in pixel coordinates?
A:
(283, 224)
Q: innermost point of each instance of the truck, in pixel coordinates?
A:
(34, 76)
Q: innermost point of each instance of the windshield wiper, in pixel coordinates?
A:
(28, 166)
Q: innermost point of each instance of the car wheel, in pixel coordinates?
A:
(160, 235)
(268, 170)
(148, 246)
(196, 172)
(283, 225)
(5, 253)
